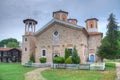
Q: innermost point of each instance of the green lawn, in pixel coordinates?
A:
(68, 74)
(13, 71)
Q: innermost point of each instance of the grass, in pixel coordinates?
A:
(73, 74)
(114, 60)
(13, 71)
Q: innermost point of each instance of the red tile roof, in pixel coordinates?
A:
(7, 49)
(94, 33)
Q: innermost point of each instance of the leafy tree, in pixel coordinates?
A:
(32, 58)
(7, 42)
(75, 57)
(12, 45)
(67, 53)
(110, 47)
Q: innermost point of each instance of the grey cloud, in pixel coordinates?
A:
(12, 12)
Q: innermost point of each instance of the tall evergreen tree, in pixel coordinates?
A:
(67, 53)
(75, 57)
(109, 48)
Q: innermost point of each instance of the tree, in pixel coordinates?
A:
(67, 53)
(110, 47)
(12, 45)
(75, 57)
(32, 58)
(9, 42)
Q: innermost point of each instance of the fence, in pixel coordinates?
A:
(92, 66)
(41, 65)
(72, 66)
(97, 66)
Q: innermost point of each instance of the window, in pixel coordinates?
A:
(63, 19)
(43, 53)
(91, 25)
(56, 33)
(25, 39)
(5, 54)
(70, 50)
(25, 49)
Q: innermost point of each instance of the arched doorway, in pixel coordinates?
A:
(92, 58)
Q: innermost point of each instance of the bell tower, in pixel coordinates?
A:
(30, 26)
(28, 40)
(62, 15)
(92, 25)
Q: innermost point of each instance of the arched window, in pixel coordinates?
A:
(43, 53)
(91, 25)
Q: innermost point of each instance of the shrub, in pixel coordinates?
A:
(58, 59)
(32, 58)
(68, 60)
(110, 66)
(42, 60)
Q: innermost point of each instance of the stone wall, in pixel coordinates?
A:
(68, 38)
(94, 42)
(30, 45)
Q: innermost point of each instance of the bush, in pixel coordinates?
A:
(42, 60)
(58, 59)
(110, 66)
(32, 58)
(68, 60)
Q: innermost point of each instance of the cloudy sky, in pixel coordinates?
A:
(13, 12)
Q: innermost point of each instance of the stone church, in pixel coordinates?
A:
(58, 34)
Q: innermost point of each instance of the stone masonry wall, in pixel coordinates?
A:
(30, 45)
(68, 38)
(94, 42)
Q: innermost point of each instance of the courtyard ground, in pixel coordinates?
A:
(17, 72)
(72, 74)
(35, 74)
(118, 70)
(13, 71)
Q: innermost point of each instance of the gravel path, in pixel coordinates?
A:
(118, 71)
(35, 74)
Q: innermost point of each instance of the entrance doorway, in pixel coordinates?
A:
(92, 58)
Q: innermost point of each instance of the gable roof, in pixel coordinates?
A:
(59, 21)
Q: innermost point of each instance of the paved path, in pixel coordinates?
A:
(35, 74)
(118, 71)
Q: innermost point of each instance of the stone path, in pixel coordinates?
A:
(35, 74)
(118, 71)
